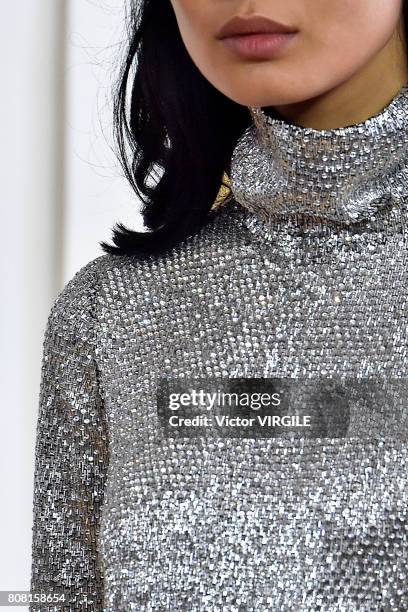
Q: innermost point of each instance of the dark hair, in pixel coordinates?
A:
(178, 124)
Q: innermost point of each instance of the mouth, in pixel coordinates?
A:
(258, 46)
(256, 37)
(241, 26)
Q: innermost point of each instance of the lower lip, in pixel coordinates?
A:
(259, 46)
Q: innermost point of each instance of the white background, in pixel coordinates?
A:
(62, 191)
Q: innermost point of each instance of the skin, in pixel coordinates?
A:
(346, 63)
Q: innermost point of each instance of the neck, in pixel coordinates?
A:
(360, 97)
(343, 175)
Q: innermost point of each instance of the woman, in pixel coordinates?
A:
(299, 274)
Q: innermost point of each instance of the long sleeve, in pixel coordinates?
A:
(71, 454)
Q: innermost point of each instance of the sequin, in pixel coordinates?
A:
(345, 174)
(125, 519)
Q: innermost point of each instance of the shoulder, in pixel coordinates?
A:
(73, 310)
(108, 281)
(222, 234)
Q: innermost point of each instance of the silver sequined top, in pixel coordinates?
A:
(301, 275)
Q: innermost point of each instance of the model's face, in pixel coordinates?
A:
(333, 40)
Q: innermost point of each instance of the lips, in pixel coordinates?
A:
(240, 26)
(265, 46)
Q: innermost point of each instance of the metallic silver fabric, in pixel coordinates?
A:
(345, 174)
(125, 519)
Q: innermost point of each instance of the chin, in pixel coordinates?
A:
(251, 90)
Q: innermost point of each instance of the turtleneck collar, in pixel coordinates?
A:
(345, 174)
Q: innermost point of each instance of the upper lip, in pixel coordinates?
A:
(251, 25)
